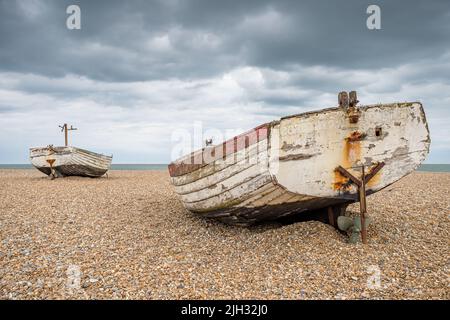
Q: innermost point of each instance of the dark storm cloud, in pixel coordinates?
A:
(143, 40)
(137, 71)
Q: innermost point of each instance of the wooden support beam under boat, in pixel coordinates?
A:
(361, 184)
(331, 216)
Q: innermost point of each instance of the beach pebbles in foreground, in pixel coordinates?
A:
(129, 237)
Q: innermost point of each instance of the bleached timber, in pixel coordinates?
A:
(289, 166)
(69, 161)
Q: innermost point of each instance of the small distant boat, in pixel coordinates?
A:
(69, 161)
(323, 159)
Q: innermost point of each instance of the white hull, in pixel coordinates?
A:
(69, 161)
(290, 167)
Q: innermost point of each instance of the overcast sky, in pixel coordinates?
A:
(138, 70)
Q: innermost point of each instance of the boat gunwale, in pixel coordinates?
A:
(362, 107)
(69, 149)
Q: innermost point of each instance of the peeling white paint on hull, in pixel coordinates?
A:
(69, 161)
(289, 166)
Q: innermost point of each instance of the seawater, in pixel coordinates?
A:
(161, 167)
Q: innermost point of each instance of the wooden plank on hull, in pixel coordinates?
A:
(267, 198)
(259, 162)
(228, 183)
(259, 193)
(201, 158)
(230, 197)
(254, 153)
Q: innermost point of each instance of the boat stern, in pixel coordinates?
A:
(308, 150)
(46, 159)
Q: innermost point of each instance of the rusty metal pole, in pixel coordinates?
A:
(362, 206)
(65, 135)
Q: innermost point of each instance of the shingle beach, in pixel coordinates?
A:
(128, 237)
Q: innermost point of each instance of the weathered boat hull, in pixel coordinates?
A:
(69, 161)
(288, 166)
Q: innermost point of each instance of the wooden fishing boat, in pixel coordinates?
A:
(69, 161)
(322, 159)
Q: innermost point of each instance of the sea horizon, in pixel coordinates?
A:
(427, 167)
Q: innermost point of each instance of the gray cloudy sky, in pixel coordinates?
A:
(138, 70)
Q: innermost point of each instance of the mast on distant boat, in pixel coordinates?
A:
(66, 129)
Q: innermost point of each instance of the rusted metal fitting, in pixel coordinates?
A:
(348, 103)
(343, 100)
(356, 136)
(353, 99)
(353, 115)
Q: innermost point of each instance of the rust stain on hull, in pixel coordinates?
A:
(352, 151)
(340, 182)
(355, 136)
(351, 154)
